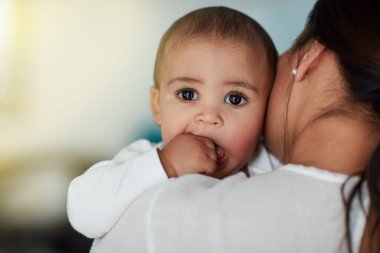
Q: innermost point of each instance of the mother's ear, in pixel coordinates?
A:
(307, 60)
(155, 104)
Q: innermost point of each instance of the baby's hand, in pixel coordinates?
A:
(187, 153)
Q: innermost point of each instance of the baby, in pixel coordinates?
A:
(213, 73)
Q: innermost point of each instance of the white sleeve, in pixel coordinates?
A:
(99, 197)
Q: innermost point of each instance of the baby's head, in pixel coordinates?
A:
(213, 74)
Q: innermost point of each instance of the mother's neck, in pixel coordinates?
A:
(339, 144)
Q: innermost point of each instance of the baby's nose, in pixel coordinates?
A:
(210, 117)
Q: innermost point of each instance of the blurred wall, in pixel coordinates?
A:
(74, 83)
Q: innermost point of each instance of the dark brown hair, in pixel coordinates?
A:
(217, 23)
(351, 29)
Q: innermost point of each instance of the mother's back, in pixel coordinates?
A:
(288, 210)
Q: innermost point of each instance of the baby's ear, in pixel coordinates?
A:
(155, 104)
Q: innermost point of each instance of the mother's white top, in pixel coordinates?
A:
(292, 209)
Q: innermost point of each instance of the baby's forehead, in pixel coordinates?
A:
(256, 56)
(253, 51)
(178, 43)
(253, 60)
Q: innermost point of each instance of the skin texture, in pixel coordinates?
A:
(315, 138)
(210, 105)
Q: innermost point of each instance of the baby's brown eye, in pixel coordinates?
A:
(235, 99)
(187, 95)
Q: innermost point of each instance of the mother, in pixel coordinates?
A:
(323, 123)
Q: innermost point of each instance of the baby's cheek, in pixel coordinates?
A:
(244, 144)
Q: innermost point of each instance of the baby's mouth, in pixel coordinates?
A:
(221, 155)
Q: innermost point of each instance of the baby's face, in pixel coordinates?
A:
(214, 89)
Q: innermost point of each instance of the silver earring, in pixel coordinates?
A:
(294, 71)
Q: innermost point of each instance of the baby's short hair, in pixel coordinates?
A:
(217, 23)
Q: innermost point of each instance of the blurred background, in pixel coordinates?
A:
(74, 89)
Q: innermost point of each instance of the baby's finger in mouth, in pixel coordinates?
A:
(221, 155)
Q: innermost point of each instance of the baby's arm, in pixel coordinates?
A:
(98, 198)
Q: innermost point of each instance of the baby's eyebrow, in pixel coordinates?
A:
(184, 80)
(243, 84)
